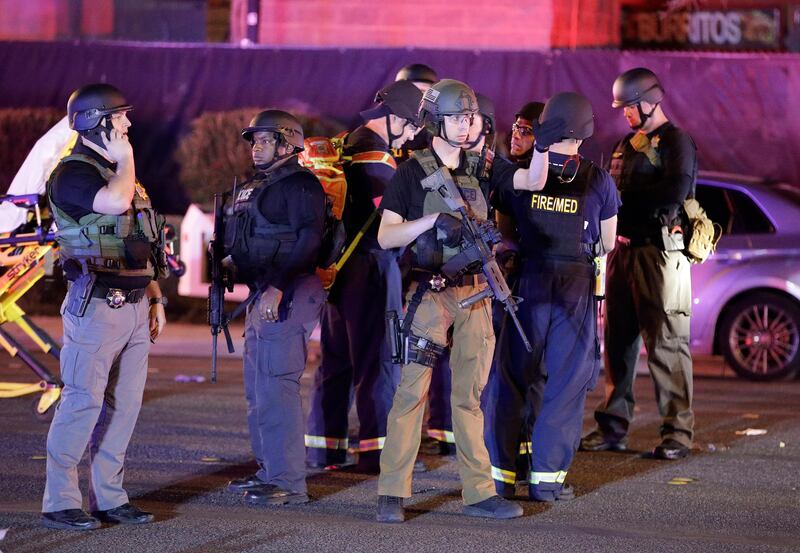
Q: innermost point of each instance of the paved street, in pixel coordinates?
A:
(735, 493)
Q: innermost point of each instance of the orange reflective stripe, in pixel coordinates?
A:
(374, 157)
(373, 444)
(442, 435)
(321, 442)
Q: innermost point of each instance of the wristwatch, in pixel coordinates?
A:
(155, 301)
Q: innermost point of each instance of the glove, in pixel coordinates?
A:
(548, 133)
(450, 227)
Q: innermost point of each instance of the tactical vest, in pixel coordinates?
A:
(430, 252)
(129, 244)
(556, 215)
(256, 245)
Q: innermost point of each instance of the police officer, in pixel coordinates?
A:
(562, 229)
(440, 421)
(521, 142)
(649, 282)
(423, 77)
(413, 215)
(367, 285)
(273, 233)
(111, 251)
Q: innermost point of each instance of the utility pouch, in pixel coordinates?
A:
(80, 293)
(672, 239)
(137, 252)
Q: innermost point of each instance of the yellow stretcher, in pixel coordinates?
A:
(23, 257)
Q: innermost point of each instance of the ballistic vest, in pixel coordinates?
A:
(256, 245)
(556, 216)
(129, 244)
(430, 252)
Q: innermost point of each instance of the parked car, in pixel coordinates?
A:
(747, 295)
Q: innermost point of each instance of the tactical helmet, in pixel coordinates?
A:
(637, 85)
(88, 105)
(575, 110)
(447, 97)
(417, 73)
(530, 111)
(486, 108)
(277, 121)
(400, 98)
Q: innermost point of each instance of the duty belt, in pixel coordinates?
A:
(116, 297)
(437, 282)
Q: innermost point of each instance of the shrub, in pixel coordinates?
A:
(213, 152)
(20, 128)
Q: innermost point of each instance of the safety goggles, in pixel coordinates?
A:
(461, 118)
(522, 130)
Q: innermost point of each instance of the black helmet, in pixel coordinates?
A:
(400, 98)
(447, 97)
(417, 73)
(277, 121)
(530, 111)
(575, 110)
(637, 85)
(88, 105)
(486, 108)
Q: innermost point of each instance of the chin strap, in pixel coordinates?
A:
(643, 117)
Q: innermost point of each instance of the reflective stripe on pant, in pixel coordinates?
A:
(470, 358)
(513, 398)
(648, 295)
(353, 356)
(104, 368)
(281, 350)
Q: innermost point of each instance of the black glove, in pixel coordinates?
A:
(549, 132)
(451, 228)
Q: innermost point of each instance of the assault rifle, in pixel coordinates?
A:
(478, 251)
(221, 280)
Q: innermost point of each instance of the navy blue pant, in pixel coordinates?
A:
(440, 415)
(355, 361)
(559, 316)
(274, 360)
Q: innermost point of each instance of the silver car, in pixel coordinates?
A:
(747, 294)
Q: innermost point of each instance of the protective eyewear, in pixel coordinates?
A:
(521, 130)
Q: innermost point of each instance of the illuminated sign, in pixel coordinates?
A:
(702, 30)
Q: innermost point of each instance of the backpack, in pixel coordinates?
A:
(701, 232)
(325, 158)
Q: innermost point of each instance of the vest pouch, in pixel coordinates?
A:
(137, 252)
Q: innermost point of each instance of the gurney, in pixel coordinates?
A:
(24, 256)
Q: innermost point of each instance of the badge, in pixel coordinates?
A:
(438, 283)
(115, 298)
(141, 192)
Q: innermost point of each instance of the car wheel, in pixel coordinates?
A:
(760, 336)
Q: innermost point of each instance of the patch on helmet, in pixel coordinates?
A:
(431, 95)
(464, 102)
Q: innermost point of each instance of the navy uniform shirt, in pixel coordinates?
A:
(299, 202)
(73, 190)
(601, 203)
(366, 183)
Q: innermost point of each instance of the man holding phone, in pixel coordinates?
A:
(111, 250)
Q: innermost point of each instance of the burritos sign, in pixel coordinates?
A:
(702, 30)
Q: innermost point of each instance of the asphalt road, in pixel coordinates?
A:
(734, 493)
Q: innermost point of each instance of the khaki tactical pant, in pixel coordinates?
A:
(104, 368)
(648, 296)
(470, 359)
